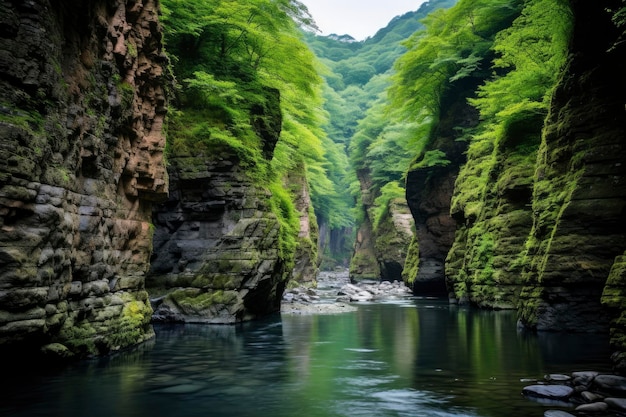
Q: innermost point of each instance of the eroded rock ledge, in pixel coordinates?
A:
(82, 105)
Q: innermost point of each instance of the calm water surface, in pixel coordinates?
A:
(408, 358)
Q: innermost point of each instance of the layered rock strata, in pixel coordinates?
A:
(380, 249)
(429, 191)
(492, 203)
(306, 257)
(82, 105)
(580, 188)
(364, 264)
(216, 250)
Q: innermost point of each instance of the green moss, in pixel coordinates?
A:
(31, 121)
(79, 337)
(132, 49)
(411, 264)
(130, 329)
(195, 302)
(127, 93)
(281, 204)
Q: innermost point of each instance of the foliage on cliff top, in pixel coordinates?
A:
(453, 47)
(514, 102)
(228, 57)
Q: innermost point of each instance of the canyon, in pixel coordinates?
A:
(103, 231)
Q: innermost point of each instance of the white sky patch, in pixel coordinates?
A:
(357, 18)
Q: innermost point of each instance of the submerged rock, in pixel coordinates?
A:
(584, 390)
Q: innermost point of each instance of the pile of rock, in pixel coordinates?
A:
(587, 392)
(335, 292)
(301, 295)
(371, 291)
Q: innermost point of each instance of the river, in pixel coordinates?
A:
(411, 357)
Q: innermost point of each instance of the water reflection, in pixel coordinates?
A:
(412, 358)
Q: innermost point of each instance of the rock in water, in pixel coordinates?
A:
(611, 383)
(616, 403)
(593, 407)
(557, 413)
(556, 392)
(558, 377)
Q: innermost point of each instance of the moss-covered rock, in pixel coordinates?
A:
(578, 197)
(226, 241)
(81, 162)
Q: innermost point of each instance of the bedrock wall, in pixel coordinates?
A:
(82, 106)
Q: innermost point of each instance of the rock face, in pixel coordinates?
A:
(393, 235)
(306, 258)
(217, 245)
(429, 191)
(216, 257)
(381, 249)
(364, 264)
(82, 105)
(429, 200)
(580, 185)
(492, 202)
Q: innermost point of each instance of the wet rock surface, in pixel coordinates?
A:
(335, 292)
(582, 393)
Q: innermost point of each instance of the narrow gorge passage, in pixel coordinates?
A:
(174, 173)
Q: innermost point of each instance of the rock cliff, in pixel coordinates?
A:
(82, 105)
(219, 253)
(363, 264)
(216, 245)
(429, 190)
(380, 247)
(579, 187)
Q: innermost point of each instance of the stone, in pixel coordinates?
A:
(557, 392)
(557, 413)
(591, 397)
(57, 351)
(616, 403)
(610, 383)
(596, 407)
(587, 375)
(557, 378)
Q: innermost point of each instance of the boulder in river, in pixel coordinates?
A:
(616, 403)
(557, 413)
(597, 407)
(610, 383)
(555, 392)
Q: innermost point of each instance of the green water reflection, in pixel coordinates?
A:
(411, 358)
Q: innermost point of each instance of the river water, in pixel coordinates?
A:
(411, 357)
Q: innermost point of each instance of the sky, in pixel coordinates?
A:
(358, 18)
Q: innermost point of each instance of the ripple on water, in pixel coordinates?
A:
(399, 402)
(361, 365)
(361, 382)
(180, 389)
(361, 350)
